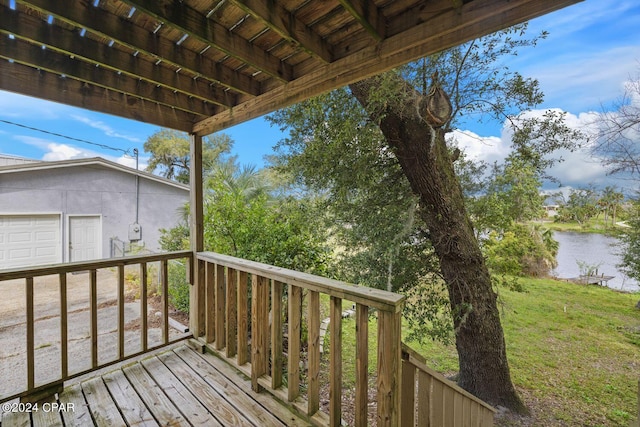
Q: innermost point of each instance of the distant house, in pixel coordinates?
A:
(551, 210)
(82, 209)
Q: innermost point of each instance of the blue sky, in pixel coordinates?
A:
(592, 49)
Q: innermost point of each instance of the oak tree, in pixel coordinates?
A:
(394, 142)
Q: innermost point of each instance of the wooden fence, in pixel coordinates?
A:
(429, 399)
(33, 391)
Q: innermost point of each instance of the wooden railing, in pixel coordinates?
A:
(33, 391)
(429, 399)
(256, 347)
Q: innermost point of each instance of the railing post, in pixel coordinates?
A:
(362, 365)
(259, 329)
(389, 368)
(196, 236)
(335, 364)
(293, 363)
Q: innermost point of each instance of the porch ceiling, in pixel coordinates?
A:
(204, 65)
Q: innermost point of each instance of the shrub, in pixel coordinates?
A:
(178, 286)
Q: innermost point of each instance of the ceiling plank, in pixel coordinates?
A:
(367, 14)
(190, 21)
(28, 81)
(136, 38)
(73, 44)
(475, 19)
(283, 22)
(57, 63)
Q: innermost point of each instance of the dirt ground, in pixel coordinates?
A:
(13, 372)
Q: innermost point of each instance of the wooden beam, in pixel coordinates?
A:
(29, 81)
(196, 237)
(476, 19)
(49, 60)
(367, 14)
(180, 16)
(283, 22)
(107, 25)
(73, 44)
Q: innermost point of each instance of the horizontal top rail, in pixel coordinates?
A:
(45, 270)
(376, 298)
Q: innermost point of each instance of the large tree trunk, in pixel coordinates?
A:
(424, 157)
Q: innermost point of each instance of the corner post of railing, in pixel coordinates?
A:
(196, 236)
(389, 365)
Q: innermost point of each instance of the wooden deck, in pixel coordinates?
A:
(592, 279)
(179, 387)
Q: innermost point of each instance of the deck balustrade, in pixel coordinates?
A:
(32, 389)
(256, 347)
(270, 324)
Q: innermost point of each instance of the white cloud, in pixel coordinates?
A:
(63, 152)
(131, 162)
(476, 147)
(56, 152)
(108, 130)
(577, 169)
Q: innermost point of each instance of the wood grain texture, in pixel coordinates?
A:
(335, 361)
(276, 334)
(362, 365)
(293, 351)
(103, 409)
(313, 370)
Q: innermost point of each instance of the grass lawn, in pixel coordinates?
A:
(594, 225)
(574, 353)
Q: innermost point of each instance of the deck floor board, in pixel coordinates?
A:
(226, 414)
(178, 387)
(248, 406)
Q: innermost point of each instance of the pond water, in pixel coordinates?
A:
(593, 250)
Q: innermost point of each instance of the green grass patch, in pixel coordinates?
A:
(574, 352)
(594, 225)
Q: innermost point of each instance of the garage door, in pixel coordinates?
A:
(27, 240)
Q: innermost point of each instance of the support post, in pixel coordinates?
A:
(196, 236)
(389, 368)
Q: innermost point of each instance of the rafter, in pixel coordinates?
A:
(452, 27)
(72, 44)
(49, 60)
(283, 22)
(367, 14)
(134, 37)
(28, 81)
(190, 21)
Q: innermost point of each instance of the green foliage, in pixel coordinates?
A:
(573, 349)
(428, 312)
(178, 286)
(522, 250)
(175, 239)
(511, 195)
(242, 219)
(581, 206)
(630, 239)
(334, 148)
(280, 233)
(170, 151)
(477, 78)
